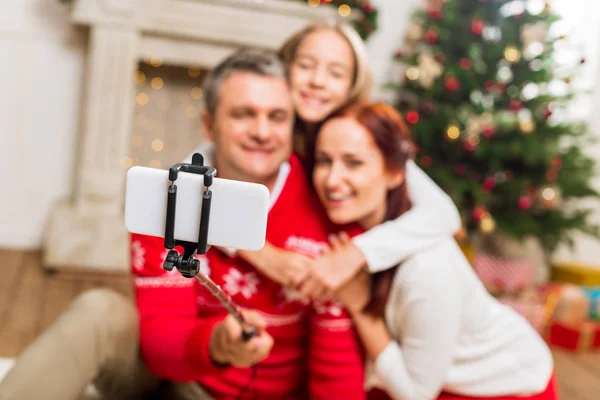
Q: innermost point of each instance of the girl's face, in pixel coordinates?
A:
(321, 74)
(350, 175)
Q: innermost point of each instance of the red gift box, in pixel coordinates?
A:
(583, 337)
(500, 275)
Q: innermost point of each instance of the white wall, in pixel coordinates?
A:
(41, 69)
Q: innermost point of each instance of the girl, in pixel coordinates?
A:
(430, 328)
(327, 67)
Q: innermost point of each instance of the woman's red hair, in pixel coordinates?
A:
(392, 137)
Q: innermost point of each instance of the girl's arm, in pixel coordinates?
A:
(433, 216)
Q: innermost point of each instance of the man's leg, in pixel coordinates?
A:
(95, 338)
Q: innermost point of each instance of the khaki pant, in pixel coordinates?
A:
(94, 341)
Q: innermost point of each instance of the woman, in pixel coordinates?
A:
(327, 66)
(429, 327)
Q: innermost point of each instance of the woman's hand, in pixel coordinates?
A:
(285, 267)
(356, 294)
(336, 267)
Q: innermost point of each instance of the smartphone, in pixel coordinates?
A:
(238, 213)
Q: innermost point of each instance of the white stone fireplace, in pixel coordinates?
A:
(86, 231)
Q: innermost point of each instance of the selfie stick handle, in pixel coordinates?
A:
(187, 264)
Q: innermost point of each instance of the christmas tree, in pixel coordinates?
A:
(488, 109)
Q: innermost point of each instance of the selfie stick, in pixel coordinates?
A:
(186, 263)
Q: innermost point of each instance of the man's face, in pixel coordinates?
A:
(252, 127)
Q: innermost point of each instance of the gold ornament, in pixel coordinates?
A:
(512, 54)
(428, 69)
(314, 3)
(527, 127)
(414, 33)
(453, 132)
(487, 224)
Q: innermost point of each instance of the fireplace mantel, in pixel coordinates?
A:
(86, 231)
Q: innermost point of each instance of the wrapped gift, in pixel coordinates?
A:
(579, 274)
(593, 295)
(504, 275)
(579, 338)
(572, 306)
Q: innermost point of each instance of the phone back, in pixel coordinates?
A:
(238, 215)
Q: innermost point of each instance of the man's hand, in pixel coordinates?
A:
(227, 346)
(336, 267)
(285, 267)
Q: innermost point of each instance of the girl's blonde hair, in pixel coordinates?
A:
(363, 76)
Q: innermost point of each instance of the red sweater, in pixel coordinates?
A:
(316, 354)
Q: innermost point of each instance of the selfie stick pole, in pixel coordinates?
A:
(186, 263)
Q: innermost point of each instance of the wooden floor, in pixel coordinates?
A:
(31, 299)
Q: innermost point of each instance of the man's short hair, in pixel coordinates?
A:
(260, 62)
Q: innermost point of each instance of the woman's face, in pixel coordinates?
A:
(350, 175)
(321, 74)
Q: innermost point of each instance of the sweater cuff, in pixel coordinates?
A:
(374, 262)
(197, 347)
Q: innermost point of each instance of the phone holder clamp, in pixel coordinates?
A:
(186, 263)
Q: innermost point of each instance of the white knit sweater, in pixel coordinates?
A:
(450, 334)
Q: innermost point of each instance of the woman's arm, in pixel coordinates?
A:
(433, 216)
(431, 305)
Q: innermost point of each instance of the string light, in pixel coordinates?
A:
(192, 111)
(194, 72)
(527, 127)
(196, 93)
(156, 83)
(344, 10)
(139, 77)
(549, 194)
(142, 99)
(412, 73)
(453, 132)
(156, 61)
(157, 145)
(512, 54)
(127, 162)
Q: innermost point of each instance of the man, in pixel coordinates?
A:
(184, 333)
